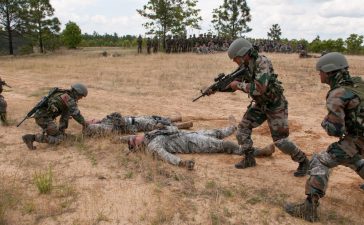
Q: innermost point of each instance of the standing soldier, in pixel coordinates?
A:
(140, 43)
(155, 44)
(61, 103)
(344, 120)
(3, 104)
(149, 45)
(268, 104)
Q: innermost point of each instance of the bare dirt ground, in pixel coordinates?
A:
(97, 182)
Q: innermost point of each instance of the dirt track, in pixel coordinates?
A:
(96, 182)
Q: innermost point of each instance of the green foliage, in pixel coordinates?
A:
(71, 35)
(353, 43)
(231, 18)
(44, 181)
(40, 23)
(275, 32)
(12, 19)
(173, 16)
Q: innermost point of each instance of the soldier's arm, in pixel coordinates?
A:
(75, 112)
(334, 122)
(163, 153)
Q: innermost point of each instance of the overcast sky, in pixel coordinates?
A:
(330, 19)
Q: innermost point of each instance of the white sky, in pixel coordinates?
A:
(330, 19)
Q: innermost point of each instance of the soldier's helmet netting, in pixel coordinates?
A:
(332, 61)
(239, 47)
(80, 89)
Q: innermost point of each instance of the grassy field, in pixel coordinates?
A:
(93, 181)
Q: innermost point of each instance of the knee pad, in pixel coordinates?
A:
(286, 146)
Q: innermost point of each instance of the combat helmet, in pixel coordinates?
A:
(331, 62)
(239, 47)
(80, 89)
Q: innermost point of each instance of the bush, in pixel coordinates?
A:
(44, 181)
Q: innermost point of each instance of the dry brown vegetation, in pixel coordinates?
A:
(96, 182)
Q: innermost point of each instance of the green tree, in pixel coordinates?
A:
(71, 35)
(353, 43)
(173, 16)
(41, 23)
(12, 19)
(275, 32)
(231, 18)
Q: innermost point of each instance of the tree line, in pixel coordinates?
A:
(32, 23)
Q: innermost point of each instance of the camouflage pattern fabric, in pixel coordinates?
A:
(344, 109)
(129, 124)
(3, 104)
(165, 143)
(61, 104)
(269, 104)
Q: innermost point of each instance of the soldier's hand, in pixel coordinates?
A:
(210, 92)
(235, 85)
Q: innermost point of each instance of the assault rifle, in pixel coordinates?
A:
(5, 84)
(43, 102)
(222, 81)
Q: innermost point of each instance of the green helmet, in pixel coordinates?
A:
(80, 89)
(239, 47)
(331, 62)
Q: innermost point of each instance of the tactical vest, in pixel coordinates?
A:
(58, 103)
(356, 117)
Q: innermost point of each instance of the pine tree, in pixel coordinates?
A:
(173, 16)
(275, 32)
(231, 18)
(12, 19)
(41, 22)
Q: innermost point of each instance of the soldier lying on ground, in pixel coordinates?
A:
(118, 124)
(166, 142)
(62, 103)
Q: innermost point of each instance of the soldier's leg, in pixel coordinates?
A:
(184, 125)
(278, 124)
(98, 130)
(51, 134)
(219, 133)
(3, 106)
(253, 117)
(319, 171)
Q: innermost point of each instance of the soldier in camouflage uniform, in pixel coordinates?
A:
(140, 43)
(3, 105)
(149, 45)
(62, 103)
(166, 142)
(118, 124)
(268, 104)
(344, 120)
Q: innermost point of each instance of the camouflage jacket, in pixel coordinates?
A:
(263, 85)
(134, 124)
(62, 104)
(345, 114)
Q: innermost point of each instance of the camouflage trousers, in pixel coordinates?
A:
(204, 141)
(3, 106)
(277, 119)
(51, 133)
(348, 152)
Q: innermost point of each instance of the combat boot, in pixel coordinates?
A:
(306, 210)
(302, 168)
(248, 161)
(28, 139)
(189, 164)
(264, 152)
(184, 125)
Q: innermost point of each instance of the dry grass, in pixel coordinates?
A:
(97, 182)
